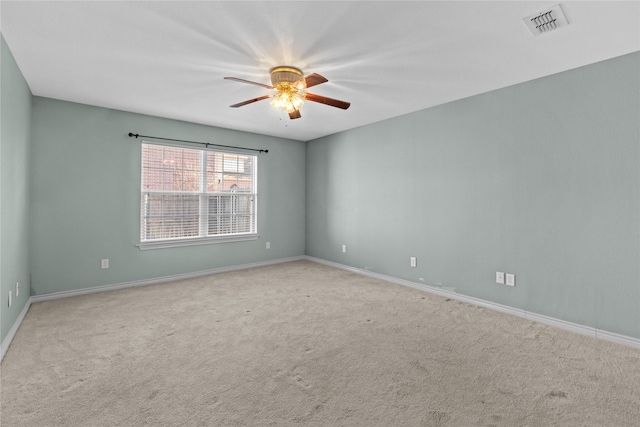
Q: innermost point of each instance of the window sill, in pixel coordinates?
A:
(175, 243)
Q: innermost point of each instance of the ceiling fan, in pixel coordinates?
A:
(291, 91)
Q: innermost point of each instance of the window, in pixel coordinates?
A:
(192, 196)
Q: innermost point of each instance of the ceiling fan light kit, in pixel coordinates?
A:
(291, 91)
(291, 86)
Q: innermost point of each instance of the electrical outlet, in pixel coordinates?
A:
(104, 263)
(344, 248)
(17, 289)
(511, 279)
(500, 277)
(413, 262)
(10, 299)
(268, 245)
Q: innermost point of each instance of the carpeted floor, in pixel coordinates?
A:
(305, 344)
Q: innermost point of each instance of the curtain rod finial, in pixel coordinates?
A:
(133, 134)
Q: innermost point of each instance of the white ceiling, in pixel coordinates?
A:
(387, 58)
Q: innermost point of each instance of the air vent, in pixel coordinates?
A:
(546, 21)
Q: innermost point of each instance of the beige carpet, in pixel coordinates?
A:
(305, 344)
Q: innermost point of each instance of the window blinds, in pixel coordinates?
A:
(190, 194)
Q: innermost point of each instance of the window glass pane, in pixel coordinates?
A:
(214, 182)
(152, 156)
(191, 180)
(231, 163)
(245, 183)
(172, 180)
(191, 170)
(151, 179)
(170, 168)
(172, 158)
(248, 165)
(243, 205)
(191, 160)
(170, 216)
(230, 182)
(154, 206)
(215, 161)
(230, 214)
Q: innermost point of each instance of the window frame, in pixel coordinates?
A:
(203, 238)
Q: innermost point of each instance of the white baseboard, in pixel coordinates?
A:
(14, 329)
(558, 323)
(66, 294)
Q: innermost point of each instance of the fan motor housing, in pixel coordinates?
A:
(285, 74)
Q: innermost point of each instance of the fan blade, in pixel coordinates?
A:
(328, 101)
(295, 115)
(314, 79)
(235, 79)
(240, 104)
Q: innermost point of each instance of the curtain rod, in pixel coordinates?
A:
(207, 144)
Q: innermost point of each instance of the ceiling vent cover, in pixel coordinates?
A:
(546, 21)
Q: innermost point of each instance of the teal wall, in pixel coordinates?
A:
(541, 179)
(86, 198)
(15, 150)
